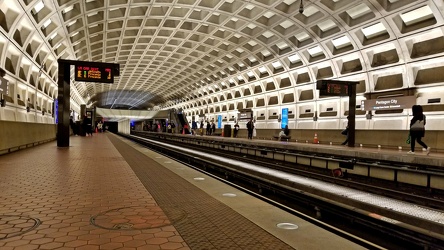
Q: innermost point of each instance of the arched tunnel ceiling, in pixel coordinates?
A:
(170, 50)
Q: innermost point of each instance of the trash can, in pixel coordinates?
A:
(227, 130)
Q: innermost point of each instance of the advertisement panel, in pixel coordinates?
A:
(56, 111)
(219, 121)
(284, 117)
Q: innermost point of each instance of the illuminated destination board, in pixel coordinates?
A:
(333, 88)
(336, 89)
(95, 72)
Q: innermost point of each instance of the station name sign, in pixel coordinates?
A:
(95, 72)
(400, 102)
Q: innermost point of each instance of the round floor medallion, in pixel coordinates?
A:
(135, 218)
(15, 225)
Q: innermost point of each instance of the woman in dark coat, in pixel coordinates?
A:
(250, 128)
(417, 129)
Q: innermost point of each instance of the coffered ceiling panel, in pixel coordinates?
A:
(175, 50)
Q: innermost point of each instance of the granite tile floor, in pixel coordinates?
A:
(82, 197)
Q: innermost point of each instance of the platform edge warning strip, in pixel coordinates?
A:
(208, 223)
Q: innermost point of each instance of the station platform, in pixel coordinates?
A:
(104, 192)
(401, 155)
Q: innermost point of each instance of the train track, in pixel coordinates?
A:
(417, 195)
(314, 204)
(414, 194)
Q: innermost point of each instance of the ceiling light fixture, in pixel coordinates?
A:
(46, 24)
(38, 7)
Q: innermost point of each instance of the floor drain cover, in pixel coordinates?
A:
(134, 218)
(123, 226)
(15, 225)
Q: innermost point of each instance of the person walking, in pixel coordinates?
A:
(250, 128)
(417, 129)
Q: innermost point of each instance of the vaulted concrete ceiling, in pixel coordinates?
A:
(170, 50)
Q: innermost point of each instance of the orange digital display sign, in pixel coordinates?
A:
(94, 73)
(336, 89)
(333, 87)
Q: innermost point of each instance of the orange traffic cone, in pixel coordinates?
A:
(315, 139)
(97, 131)
(222, 133)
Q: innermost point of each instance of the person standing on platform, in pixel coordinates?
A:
(213, 128)
(250, 128)
(169, 128)
(186, 129)
(100, 126)
(208, 131)
(87, 125)
(73, 126)
(193, 127)
(417, 129)
(254, 129)
(201, 127)
(286, 130)
(236, 130)
(173, 127)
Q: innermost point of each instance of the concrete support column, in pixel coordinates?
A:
(351, 115)
(82, 112)
(63, 105)
(124, 127)
(93, 118)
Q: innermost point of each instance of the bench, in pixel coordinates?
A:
(283, 138)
